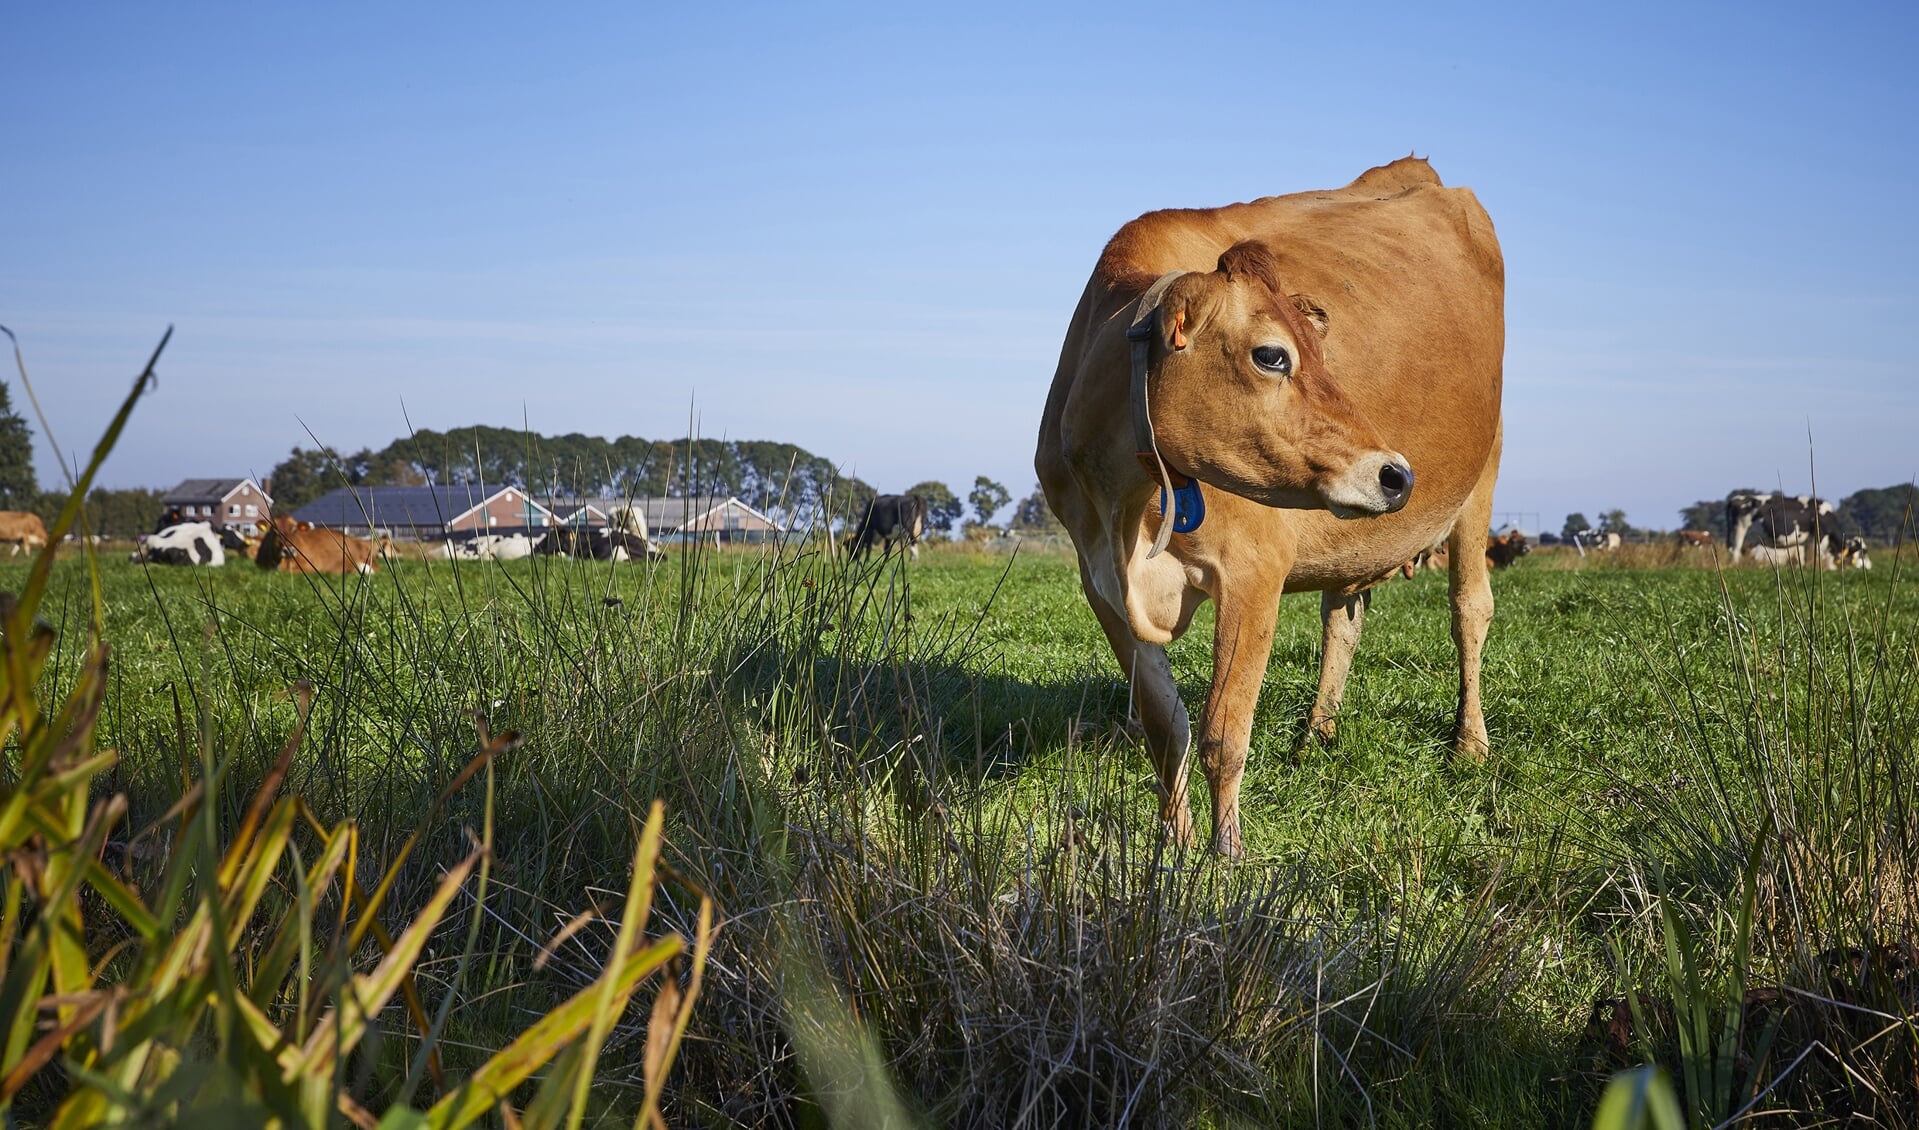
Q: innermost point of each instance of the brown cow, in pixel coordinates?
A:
(1697, 539)
(1505, 549)
(303, 548)
(1432, 557)
(1299, 357)
(23, 529)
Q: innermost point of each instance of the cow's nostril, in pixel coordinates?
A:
(1396, 480)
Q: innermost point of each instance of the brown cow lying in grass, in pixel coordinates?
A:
(1501, 552)
(305, 548)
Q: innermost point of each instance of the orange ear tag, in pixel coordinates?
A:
(1179, 330)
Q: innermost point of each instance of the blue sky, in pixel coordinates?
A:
(862, 229)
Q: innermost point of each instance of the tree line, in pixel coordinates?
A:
(784, 481)
(788, 482)
(781, 479)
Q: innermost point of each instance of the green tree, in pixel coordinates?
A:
(304, 476)
(1614, 522)
(19, 489)
(943, 507)
(113, 513)
(1033, 517)
(1575, 524)
(1708, 514)
(988, 498)
(1883, 514)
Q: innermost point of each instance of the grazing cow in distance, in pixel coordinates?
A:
(302, 548)
(23, 529)
(1781, 520)
(1505, 549)
(1242, 399)
(1830, 552)
(1501, 551)
(1432, 557)
(1601, 541)
(1777, 554)
(1696, 539)
(890, 519)
(1845, 553)
(184, 543)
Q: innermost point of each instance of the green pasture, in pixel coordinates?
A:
(912, 793)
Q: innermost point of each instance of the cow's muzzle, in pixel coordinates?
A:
(1379, 483)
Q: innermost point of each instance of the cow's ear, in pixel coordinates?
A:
(1189, 304)
(1309, 306)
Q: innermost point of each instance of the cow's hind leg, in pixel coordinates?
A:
(1168, 730)
(1470, 586)
(1342, 617)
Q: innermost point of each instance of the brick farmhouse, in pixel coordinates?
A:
(237, 503)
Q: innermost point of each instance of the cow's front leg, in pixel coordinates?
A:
(1242, 642)
(1162, 716)
(1342, 616)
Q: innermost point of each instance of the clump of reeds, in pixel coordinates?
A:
(245, 966)
(1776, 925)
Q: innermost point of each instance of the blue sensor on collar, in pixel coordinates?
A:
(1192, 507)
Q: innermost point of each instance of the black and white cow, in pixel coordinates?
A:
(598, 544)
(1846, 553)
(485, 547)
(186, 543)
(1783, 521)
(1777, 555)
(890, 519)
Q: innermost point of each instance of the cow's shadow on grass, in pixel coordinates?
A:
(943, 718)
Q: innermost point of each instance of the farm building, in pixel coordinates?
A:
(239, 503)
(582, 513)
(712, 518)
(427, 513)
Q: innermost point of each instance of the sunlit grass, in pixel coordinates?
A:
(911, 790)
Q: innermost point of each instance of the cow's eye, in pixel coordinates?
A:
(1274, 359)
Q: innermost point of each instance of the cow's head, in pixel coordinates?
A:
(1243, 400)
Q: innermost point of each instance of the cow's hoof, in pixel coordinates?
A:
(1227, 846)
(1323, 727)
(1179, 824)
(1471, 742)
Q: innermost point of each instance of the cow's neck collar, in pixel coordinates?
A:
(1182, 508)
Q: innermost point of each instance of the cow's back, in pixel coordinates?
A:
(22, 526)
